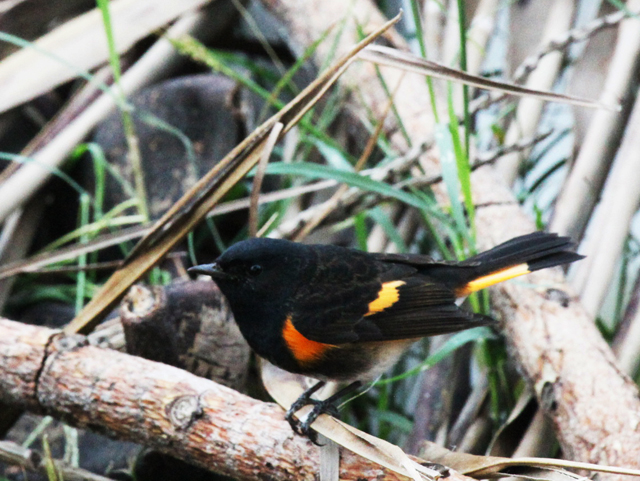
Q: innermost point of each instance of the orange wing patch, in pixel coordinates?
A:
(304, 350)
(387, 297)
(493, 278)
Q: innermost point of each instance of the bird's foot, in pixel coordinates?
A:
(303, 428)
(327, 406)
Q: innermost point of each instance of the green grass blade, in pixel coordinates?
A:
(446, 146)
(316, 171)
(81, 278)
(134, 156)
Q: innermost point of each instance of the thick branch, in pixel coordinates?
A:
(160, 406)
(593, 403)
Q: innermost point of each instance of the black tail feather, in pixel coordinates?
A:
(538, 250)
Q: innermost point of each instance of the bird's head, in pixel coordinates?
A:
(259, 270)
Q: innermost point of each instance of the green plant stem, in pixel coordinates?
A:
(134, 157)
(81, 281)
(415, 12)
(462, 21)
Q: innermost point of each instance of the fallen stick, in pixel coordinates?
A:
(160, 406)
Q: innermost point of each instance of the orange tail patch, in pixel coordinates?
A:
(493, 278)
(304, 350)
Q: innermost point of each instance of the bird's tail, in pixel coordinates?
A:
(514, 258)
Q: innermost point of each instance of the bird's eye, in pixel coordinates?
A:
(255, 270)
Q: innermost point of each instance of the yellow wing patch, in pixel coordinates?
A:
(304, 350)
(387, 297)
(493, 278)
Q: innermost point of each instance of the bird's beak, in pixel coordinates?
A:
(213, 270)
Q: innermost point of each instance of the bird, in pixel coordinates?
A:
(338, 314)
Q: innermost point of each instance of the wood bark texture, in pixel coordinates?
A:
(595, 407)
(188, 325)
(161, 406)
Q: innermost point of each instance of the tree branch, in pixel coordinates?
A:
(160, 406)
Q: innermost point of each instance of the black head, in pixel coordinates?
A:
(259, 275)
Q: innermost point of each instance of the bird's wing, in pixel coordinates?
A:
(377, 301)
(419, 307)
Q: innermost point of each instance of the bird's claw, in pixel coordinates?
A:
(303, 428)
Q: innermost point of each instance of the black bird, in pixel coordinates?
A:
(338, 314)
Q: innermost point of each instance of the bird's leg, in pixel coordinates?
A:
(327, 406)
(302, 401)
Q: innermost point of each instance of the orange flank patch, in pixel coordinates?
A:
(493, 278)
(304, 350)
(387, 297)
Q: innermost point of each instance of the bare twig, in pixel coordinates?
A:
(557, 44)
(259, 177)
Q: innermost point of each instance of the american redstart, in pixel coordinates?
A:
(338, 314)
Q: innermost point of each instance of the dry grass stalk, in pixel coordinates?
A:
(609, 227)
(152, 65)
(582, 188)
(38, 262)
(529, 111)
(259, 177)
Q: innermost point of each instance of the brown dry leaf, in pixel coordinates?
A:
(491, 466)
(80, 45)
(285, 388)
(196, 203)
(407, 61)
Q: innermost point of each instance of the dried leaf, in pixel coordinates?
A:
(490, 466)
(285, 388)
(407, 61)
